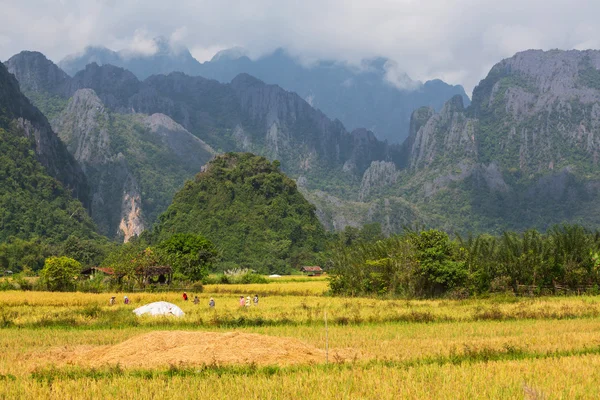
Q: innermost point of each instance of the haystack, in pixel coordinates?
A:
(164, 348)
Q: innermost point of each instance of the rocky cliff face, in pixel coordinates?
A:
(50, 151)
(134, 162)
(524, 153)
(36, 73)
(302, 137)
(540, 110)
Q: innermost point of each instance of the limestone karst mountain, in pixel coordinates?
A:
(373, 95)
(523, 154)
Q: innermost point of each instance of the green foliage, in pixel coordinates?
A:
(33, 204)
(385, 267)
(438, 268)
(130, 260)
(50, 105)
(189, 254)
(251, 211)
(589, 76)
(368, 233)
(87, 252)
(18, 254)
(427, 263)
(60, 273)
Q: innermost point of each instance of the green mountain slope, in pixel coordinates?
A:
(250, 210)
(33, 202)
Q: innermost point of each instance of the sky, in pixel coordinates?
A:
(457, 41)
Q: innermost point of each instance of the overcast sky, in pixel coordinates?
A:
(457, 41)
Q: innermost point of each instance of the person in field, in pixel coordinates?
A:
(112, 301)
(211, 303)
(196, 300)
(185, 297)
(126, 300)
(242, 302)
(255, 299)
(248, 301)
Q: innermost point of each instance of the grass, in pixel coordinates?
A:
(500, 347)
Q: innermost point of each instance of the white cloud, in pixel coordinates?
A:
(142, 43)
(398, 78)
(452, 40)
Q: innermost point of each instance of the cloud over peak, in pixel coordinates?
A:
(456, 41)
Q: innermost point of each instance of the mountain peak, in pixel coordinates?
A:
(35, 72)
(231, 54)
(245, 80)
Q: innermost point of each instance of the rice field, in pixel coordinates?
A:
(500, 347)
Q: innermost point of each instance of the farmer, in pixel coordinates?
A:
(255, 299)
(112, 301)
(211, 303)
(196, 300)
(126, 300)
(242, 302)
(185, 298)
(248, 301)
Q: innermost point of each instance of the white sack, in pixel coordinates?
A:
(160, 308)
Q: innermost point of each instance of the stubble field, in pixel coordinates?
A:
(57, 345)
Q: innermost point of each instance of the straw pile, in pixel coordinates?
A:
(163, 348)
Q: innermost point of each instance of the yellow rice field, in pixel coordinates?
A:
(501, 347)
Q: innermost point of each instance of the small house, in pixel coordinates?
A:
(90, 272)
(162, 274)
(312, 270)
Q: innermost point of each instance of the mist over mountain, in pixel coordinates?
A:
(375, 95)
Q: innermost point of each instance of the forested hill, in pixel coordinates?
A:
(250, 210)
(33, 202)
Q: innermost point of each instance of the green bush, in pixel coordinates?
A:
(60, 273)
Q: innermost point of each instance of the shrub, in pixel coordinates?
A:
(60, 273)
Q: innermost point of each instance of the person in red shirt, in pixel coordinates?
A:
(185, 296)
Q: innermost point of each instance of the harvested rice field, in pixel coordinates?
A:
(75, 345)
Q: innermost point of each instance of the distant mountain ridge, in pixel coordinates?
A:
(523, 154)
(245, 115)
(365, 96)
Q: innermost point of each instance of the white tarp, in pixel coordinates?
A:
(160, 308)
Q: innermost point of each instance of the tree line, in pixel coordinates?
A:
(430, 263)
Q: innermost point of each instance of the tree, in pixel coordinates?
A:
(88, 252)
(59, 273)
(438, 268)
(189, 254)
